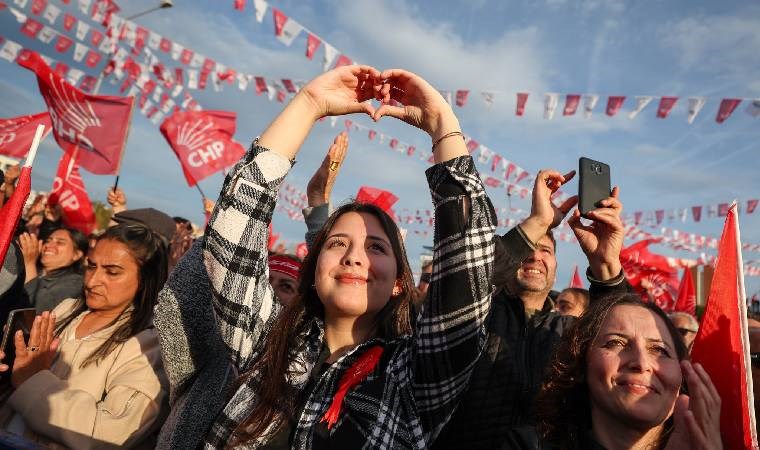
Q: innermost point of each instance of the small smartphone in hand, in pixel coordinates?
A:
(594, 185)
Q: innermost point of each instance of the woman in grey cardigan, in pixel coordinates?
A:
(343, 367)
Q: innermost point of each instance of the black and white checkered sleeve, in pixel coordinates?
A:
(451, 332)
(235, 252)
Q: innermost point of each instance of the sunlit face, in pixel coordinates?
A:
(285, 287)
(111, 278)
(633, 371)
(59, 251)
(536, 273)
(570, 304)
(356, 269)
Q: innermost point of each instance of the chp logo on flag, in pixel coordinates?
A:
(90, 126)
(71, 195)
(16, 133)
(202, 140)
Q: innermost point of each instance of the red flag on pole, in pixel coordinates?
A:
(687, 295)
(202, 140)
(722, 343)
(576, 281)
(378, 197)
(10, 213)
(69, 192)
(96, 125)
(17, 133)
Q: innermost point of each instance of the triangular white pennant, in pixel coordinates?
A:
(290, 31)
(9, 50)
(260, 8)
(176, 50)
(20, 3)
(79, 51)
(551, 100)
(488, 98)
(74, 76)
(84, 7)
(695, 105)
(753, 109)
(82, 30)
(589, 103)
(154, 41)
(192, 78)
(641, 102)
(51, 13)
(329, 56)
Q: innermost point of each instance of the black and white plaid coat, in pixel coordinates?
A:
(413, 391)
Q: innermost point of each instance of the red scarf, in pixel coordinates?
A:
(355, 374)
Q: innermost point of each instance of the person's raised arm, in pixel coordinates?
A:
(544, 214)
(602, 240)
(235, 247)
(320, 186)
(450, 333)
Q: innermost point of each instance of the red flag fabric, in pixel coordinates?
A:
(576, 281)
(614, 103)
(289, 86)
(722, 343)
(696, 212)
(186, 56)
(31, 27)
(96, 125)
(522, 98)
(666, 104)
(687, 295)
(240, 5)
(727, 106)
(96, 37)
(302, 250)
(261, 85)
(202, 140)
(571, 105)
(462, 97)
(165, 45)
(650, 274)
(343, 60)
(69, 21)
(751, 205)
(372, 134)
(312, 44)
(10, 213)
(69, 192)
(279, 21)
(92, 59)
(378, 197)
(17, 133)
(38, 6)
(62, 44)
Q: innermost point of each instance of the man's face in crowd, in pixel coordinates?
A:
(570, 304)
(685, 327)
(537, 271)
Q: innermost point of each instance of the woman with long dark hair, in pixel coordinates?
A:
(90, 375)
(54, 267)
(343, 366)
(618, 380)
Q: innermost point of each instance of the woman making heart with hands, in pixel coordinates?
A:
(345, 365)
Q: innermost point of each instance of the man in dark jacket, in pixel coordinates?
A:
(523, 327)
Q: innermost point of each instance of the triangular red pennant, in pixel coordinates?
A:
(666, 104)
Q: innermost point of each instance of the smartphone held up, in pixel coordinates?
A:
(594, 184)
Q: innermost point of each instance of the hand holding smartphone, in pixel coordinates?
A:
(594, 185)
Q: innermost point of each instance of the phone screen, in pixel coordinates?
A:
(594, 184)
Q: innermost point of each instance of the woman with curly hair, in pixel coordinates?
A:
(618, 381)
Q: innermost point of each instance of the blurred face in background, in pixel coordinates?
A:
(59, 251)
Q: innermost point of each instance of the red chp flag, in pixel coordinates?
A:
(69, 192)
(96, 125)
(722, 343)
(650, 274)
(10, 213)
(202, 140)
(378, 197)
(687, 295)
(16, 133)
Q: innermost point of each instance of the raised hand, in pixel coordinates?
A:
(544, 214)
(31, 247)
(344, 90)
(12, 173)
(39, 353)
(603, 239)
(696, 417)
(423, 106)
(321, 183)
(117, 200)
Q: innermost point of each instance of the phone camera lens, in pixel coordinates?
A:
(596, 168)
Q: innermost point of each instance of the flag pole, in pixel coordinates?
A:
(203, 196)
(35, 144)
(744, 327)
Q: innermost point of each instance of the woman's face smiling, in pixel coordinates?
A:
(356, 270)
(633, 372)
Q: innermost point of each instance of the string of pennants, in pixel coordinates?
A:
(287, 29)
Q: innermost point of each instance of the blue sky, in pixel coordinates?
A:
(608, 47)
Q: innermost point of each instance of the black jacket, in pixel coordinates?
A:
(508, 375)
(47, 291)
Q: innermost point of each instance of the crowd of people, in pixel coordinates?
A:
(148, 335)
